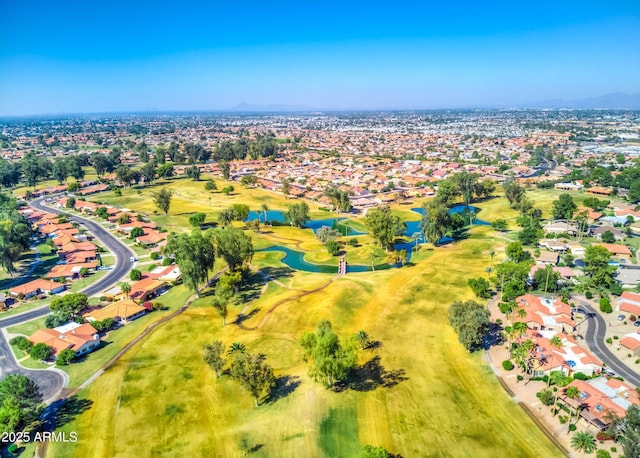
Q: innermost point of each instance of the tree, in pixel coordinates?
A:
(265, 211)
(125, 288)
(65, 357)
(528, 236)
(226, 216)
(71, 202)
(148, 172)
(564, 207)
(193, 172)
(298, 214)
(333, 247)
(597, 268)
(210, 185)
(325, 233)
(214, 356)
(195, 256)
(363, 339)
(584, 442)
(228, 190)
(197, 220)
(467, 184)
(339, 199)
(499, 224)
(286, 187)
(165, 170)
(628, 430)
(369, 451)
(384, 226)
(435, 222)
(225, 169)
(162, 199)
(233, 245)
(248, 180)
(516, 253)
(471, 322)
(59, 171)
(447, 192)
(40, 352)
(547, 279)
(72, 303)
(513, 192)
(608, 237)
(240, 211)
(135, 275)
(136, 232)
(331, 360)
(20, 401)
(253, 373)
(480, 287)
(220, 307)
(546, 397)
(605, 305)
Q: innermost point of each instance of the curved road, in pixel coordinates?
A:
(50, 381)
(595, 335)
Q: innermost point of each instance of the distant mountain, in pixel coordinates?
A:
(245, 107)
(613, 101)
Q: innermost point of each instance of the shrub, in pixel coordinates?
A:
(507, 365)
(41, 351)
(613, 449)
(166, 262)
(589, 295)
(21, 342)
(632, 318)
(563, 419)
(103, 298)
(135, 275)
(520, 378)
(605, 305)
(579, 376)
(609, 340)
(353, 242)
(603, 436)
(603, 454)
(572, 427)
(151, 267)
(615, 337)
(154, 255)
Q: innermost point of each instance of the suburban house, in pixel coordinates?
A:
(629, 302)
(599, 230)
(547, 257)
(619, 251)
(81, 338)
(165, 273)
(146, 289)
(561, 227)
(35, 287)
(632, 343)
(599, 397)
(628, 278)
(122, 312)
(70, 271)
(150, 238)
(555, 245)
(546, 314)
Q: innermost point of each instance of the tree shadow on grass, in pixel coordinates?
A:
(285, 385)
(277, 273)
(494, 336)
(71, 409)
(251, 286)
(244, 317)
(370, 376)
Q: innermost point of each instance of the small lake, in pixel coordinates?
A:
(295, 260)
(339, 224)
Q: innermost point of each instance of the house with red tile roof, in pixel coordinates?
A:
(629, 302)
(632, 343)
(123, 312)
(70, 271)
(600, 397)
(35, 287)
(545, 314)
(81, 338)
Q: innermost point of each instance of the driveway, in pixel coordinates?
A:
(595, 339)
(50, 381)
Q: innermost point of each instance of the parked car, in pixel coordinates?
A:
(636, 323)
(132, 259)
(620, 317)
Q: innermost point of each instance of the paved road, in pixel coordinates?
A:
(595, 336)
(51, 381)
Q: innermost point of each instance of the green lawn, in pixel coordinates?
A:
(446, 402)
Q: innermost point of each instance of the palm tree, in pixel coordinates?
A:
(236, 347)
(572, 392)
(522, 313)
(363, 339)
(556, 343)
(125, 288)
(584, 442)
(265, 211)
(519, 329)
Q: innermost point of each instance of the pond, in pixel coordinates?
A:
(295, 260)
(339, 224)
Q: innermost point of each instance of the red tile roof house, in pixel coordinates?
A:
(546, 314)
(81, 338)
(629, 302)
(632, 342)
(150, 238)
(619, 251)
(36, 287)
(599, 397)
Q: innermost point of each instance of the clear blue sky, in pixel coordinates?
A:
(67, 56)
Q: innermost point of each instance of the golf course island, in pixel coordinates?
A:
(305, 339)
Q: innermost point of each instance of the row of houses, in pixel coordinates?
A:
(547, 318)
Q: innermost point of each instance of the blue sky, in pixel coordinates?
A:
(88, 57)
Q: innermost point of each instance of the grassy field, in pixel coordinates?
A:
(442, 401)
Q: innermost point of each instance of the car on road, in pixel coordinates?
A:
(132, 259)
(580, 310)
